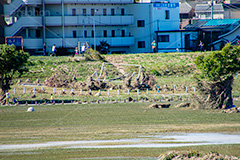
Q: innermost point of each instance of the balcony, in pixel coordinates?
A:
(33, 43)
(99, 20)
(73, 42)
(9, 9)
(53, 21)
(53, 1)
(100, 1)
(23, 22)
(113, 41)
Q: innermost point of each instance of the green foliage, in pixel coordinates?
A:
(11, 61)
(219, 65)
(103, 48)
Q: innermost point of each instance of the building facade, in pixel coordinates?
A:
(127, 26)
(2, 22)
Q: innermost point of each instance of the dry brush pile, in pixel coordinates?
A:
(194, 155)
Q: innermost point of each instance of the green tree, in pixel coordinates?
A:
(103, 48)
(216, 76)
(11, 61)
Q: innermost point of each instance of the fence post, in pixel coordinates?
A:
(186, 89)
(118, 92)
(81, 92)
(128, 91)
(99, 92)
(34, 90)
(15, 91)
(147, 91)
(138, 91)
(54, 90)
(194, 89)
(24, 90)
(108, 92)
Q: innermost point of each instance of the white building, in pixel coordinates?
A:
(127, 26)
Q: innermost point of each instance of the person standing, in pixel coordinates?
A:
(201, 44)
(7, 98)
(154, 44)
(51, 98)
(83, 49)
(54, 50)
(44, 49)
(76, 51)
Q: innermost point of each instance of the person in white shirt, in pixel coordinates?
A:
(83, 48)
(54, 50)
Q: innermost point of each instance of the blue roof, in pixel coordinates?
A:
(221, 22)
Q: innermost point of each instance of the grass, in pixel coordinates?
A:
(106, 121)
(121, 153)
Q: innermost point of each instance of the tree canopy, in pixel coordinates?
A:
(11, 61)
(216, 76)
(219, 65)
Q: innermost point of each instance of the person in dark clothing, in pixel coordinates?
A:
(44, 49)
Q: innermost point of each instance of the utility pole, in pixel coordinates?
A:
(211, 19)
(94, 28)
(212, 9)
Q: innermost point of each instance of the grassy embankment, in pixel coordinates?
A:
(168, 68)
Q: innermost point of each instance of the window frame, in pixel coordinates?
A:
(163, 38)
(167, 14)
(141, 23)
(141, 44)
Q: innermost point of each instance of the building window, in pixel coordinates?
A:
(123, 33)
(141, 44)
(122, 11)
(141, 23)
(167, 14)
(112, 12)
(85, 34)
(163, 38)
(113, 33)
(92, 33)
(38, 33)
(74, 12)
(92, 12)
(105, 33)
(74, 34)
(104, 12)
(37, 11)
(84, 12)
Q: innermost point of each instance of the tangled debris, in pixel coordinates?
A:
(183, 105)
(179, 155)
(66, 78)
(163, 105)
(213, 95)
(231, 110)
(62, 78)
